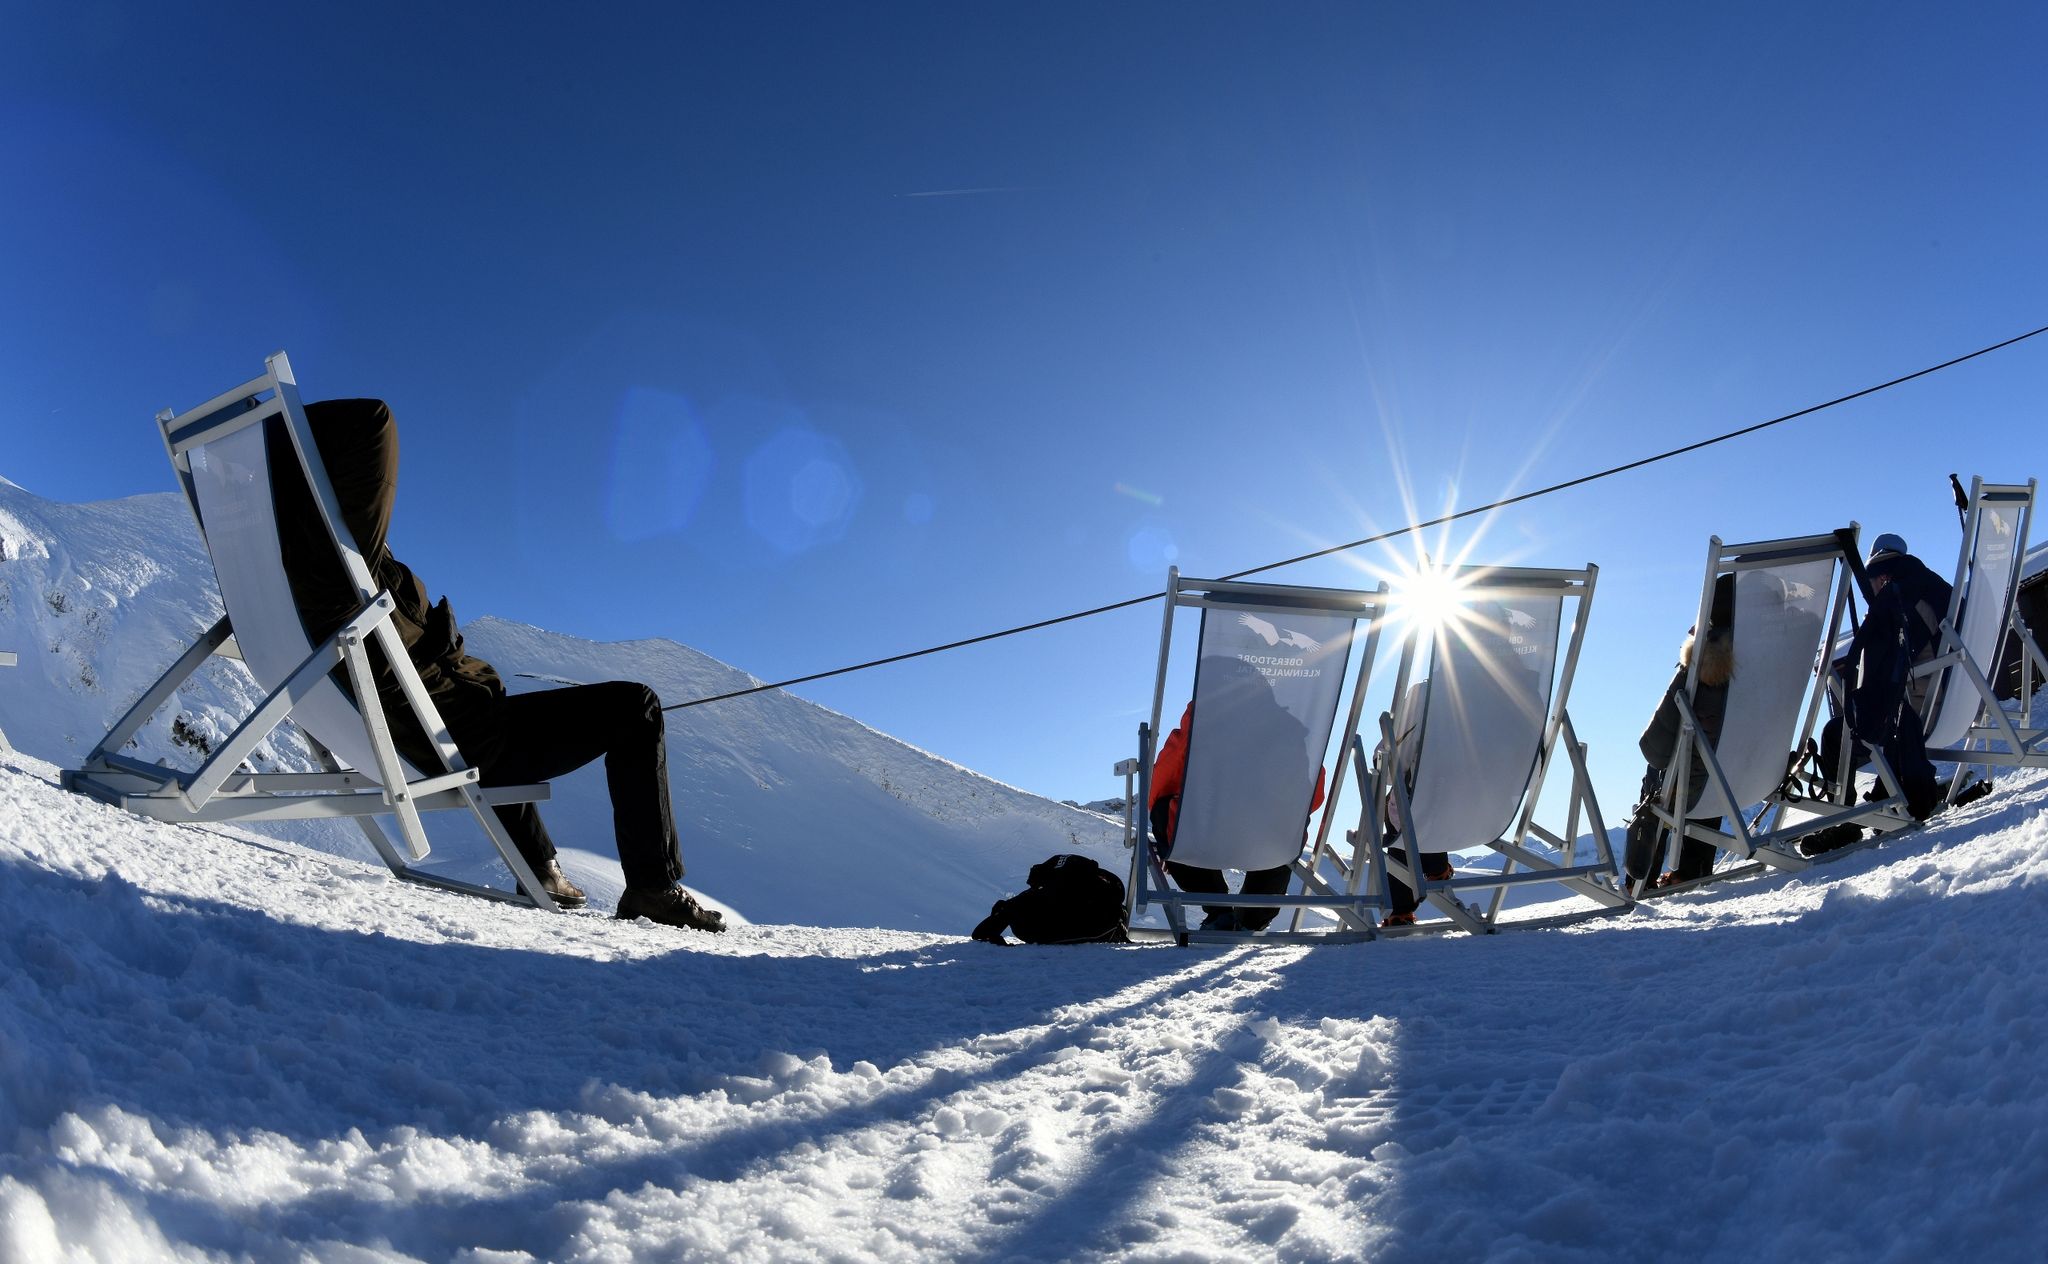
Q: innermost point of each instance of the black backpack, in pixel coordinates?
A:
(1070, 900)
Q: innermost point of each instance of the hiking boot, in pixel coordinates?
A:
(1971, 793)
(671, 906)
(1833, 838)
(1445, 874)
(557, 885)
(1680, 878)
(1394, 921)
(1220, 919)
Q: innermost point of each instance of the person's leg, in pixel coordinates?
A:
(1272, 881)
(521, 820)
(528, 832)
(1907, 754)
(1874, 704)
(1403, 894)
(1199, 881)
(1832, 735)
(1436, 865)
(1695, 858)
(555, 731)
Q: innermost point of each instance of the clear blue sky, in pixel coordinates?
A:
(805, 334)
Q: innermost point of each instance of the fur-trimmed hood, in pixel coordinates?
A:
(1717, 657)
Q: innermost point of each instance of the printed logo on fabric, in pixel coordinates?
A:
(1279, 666)
(1279, 636)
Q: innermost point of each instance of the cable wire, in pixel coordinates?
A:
(1502, 503)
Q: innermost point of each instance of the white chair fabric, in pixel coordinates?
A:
(1484, 712)
(231, 479)
(1780, 624)
(1266, 692)
(1988, 581)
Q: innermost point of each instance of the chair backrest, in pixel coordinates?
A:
(1987, 577)
(221, 451)
(1267, 682)
(1485, 716)
(1781, 627)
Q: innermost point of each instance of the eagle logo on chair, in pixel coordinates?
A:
(1278, 636)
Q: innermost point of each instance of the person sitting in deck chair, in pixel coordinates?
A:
(1883, 709)
(509, 739)
(1271, 731)
(1486, 684)
(1436, 865)
(1659, 742)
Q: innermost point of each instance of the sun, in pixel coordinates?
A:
(1427, 597)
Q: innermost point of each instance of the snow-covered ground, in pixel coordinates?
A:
(216, 1046)
(223, 1045)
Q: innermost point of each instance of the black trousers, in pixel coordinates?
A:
(1880, 711)
(556, 731)
(1642, 859)
(1256, 882)
(1643, 855)
(1404, 895)
(1905, 750)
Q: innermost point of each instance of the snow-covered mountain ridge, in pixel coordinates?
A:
(788, 812)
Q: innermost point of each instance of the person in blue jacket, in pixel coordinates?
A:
(1883, 702)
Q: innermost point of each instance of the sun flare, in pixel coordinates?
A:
(1427, 598)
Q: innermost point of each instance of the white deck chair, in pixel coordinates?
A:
(220, 452)
(1492, 716)
(1791, 600)
(1270, 671)
(1963, 715)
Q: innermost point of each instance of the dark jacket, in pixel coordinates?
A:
(358, 444)
(1659, 742)
(1923, 594)
(1899, 630)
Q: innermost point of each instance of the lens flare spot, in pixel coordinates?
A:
(661, 465)
(800, 490)
(820, 493)
(1151, 548)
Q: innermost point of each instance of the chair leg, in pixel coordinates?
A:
(522, 873)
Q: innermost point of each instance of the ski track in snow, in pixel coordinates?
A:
(219, 1046)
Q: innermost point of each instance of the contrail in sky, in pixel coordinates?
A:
(1005, 188)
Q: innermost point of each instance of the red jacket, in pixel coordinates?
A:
(1170, 773)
